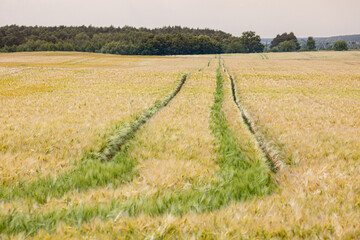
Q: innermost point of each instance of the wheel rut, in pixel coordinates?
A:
(271, 153)
(116, 142)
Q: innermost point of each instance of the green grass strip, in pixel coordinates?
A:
(93, 171)
(273, 155)
(239, 178)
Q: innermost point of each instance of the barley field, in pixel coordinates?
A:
(238, 146)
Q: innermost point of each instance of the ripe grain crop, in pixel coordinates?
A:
(240, 177)
(184, 183)
(200, 157)
(306, 104)
(54, 111)
(309, 104)
(111, 165)
(173, 150)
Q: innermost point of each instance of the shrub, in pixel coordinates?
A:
(340, 46)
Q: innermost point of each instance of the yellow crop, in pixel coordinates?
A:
(55, 106)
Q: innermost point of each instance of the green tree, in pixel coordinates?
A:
(287, 46)
(235, 47)
(310, 44)
(340, 46)
(251, 42)
(81, 40)
(285, 37)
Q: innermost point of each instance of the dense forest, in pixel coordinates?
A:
(126, 40)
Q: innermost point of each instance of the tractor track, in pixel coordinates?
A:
(16, 72)
(207, 65)
(263, 56)
(271, 153)
(105, 166)
(115, 143)
(230, 187)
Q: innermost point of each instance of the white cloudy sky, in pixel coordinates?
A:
(266, 17)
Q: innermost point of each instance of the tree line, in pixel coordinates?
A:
(126, 40)
(143, 41)
(288, 42)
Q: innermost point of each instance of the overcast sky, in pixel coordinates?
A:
(319, 18)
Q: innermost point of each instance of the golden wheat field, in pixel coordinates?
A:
(238, 146)
(53, 106)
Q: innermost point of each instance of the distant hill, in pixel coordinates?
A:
(266, 40)
(326, 42)
(348, 38)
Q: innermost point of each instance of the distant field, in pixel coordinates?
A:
(103, 146)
